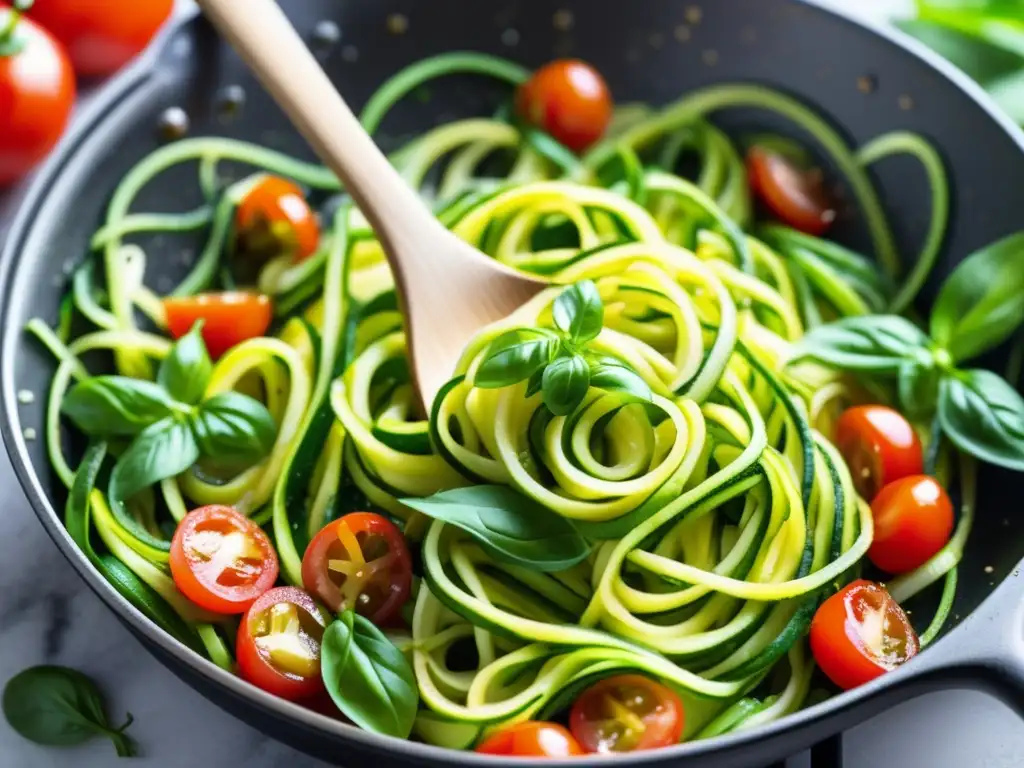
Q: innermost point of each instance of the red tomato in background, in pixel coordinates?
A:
(627, 713)
(229, 318)
(879, 446)
(278, 646)
(913, 521)
(531, 739)
(861, 633)
(101, 36)
(797, 197)
(37, 93)
(569, 100)
(274, 218)
(221, 560)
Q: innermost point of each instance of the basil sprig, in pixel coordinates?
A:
(172, 426)
(60, 707)
(555, 363)
(367, 677)
(978, 307)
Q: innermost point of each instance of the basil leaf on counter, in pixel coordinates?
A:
(60, 707)
(875, 343)
(186, 370)
(513, 357)
(984, 417)
(982, 302)
(165, 449)
(233, 426)
(368, 678)
(512, 527)
(116, 405)
(578, 312)
(612, 375)
(565, 383)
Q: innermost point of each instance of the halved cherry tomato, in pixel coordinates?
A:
(913, 521)
(861, 633)
(627, 713)
(229, 318)
(879, 446)
(569, 100)
(221, 560)
(531, 739)
(102, 36)
(797, 197)
(359, 562)
(37, 92)
(274, 219)
(278, 645)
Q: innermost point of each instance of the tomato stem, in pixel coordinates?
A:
(8, 45)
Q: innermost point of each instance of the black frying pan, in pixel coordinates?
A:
(650, 50)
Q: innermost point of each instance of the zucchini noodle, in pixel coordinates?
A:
(718, 513)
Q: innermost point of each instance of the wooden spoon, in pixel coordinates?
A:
(448, 289)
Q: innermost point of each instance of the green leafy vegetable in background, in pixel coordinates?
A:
(60, 707)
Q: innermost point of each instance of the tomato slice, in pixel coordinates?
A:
(569, 100)
(278, 646)
(274, 219)
(913, 522)
(229, 318)
(359, 562)
(221, 560)
(627, 713)
(797, 197)
(861, 633)
(879, 446)
(531, 739)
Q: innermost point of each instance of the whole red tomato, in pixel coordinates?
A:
(102, 35)
(37, 92)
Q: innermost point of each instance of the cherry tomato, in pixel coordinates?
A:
(531, 739)
(101, 36)
(274, 218)
(860, 633)
(37, 92)
(229, 318)
(627, 713)
(359, 562)
(879, 446)
(569, 100)
(913, 521)
(278, 646)
(221, 560)
(797, 197)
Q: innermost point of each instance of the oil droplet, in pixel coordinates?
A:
(174, 123)
(510, 37)
(29, 433)
(867, 84)
(694, 14)
(682, 33)
(398, 24)
(26, 396)
(326, 33)
(230, 101)
(906, 103)
(657, 40)
(563, 20)
(989, 569)
(350, 53)
(710, 57)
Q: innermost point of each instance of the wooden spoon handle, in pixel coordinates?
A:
(265, 38)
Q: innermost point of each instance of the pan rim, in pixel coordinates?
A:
(138, 76)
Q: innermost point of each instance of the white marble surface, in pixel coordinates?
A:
(47, 615)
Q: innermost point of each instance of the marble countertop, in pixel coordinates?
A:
(47, 615)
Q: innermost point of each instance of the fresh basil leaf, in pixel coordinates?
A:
(116, 405)
(565, 383)
(579, 312)
(615, 376)
(982, 301)
(368, 678)
(1008, 93)
(165, 449)
(512, 527)
(235, 427)
(983, 416)
(513, 357)
(60, 707)
(536, 380)
(186, 370)
(977, 57)
(918, 387)
(876, 343)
